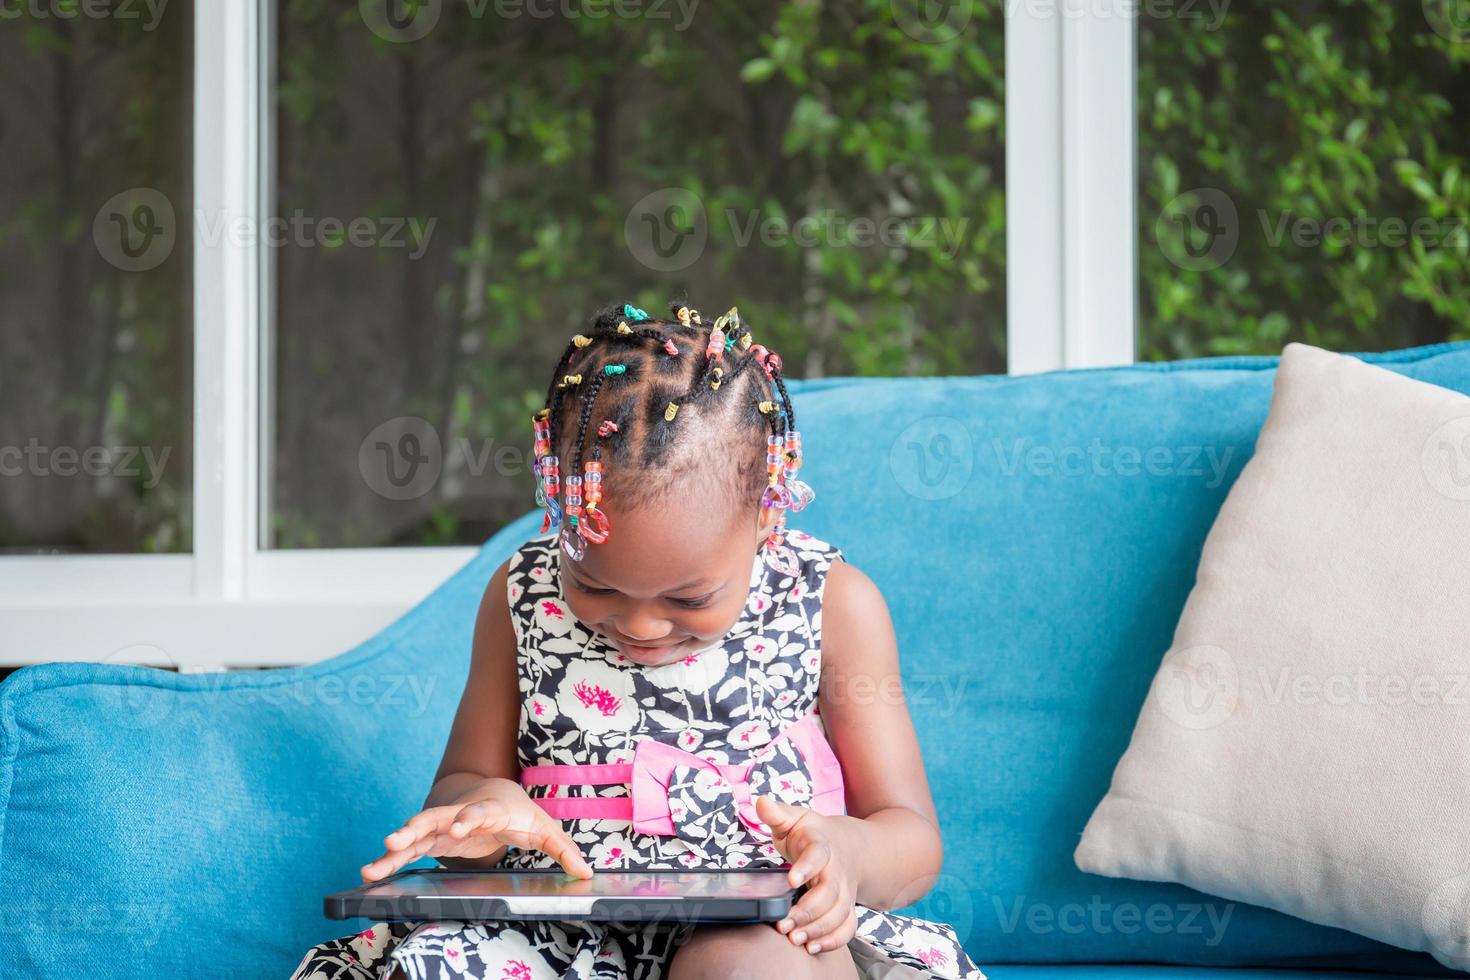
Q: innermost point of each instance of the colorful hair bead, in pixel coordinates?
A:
(581, 340)
(745, 340)
(571, 537)
(570, 379)
(549, 473)
(766, 408)
(670, 349)
(716, 347)
(607, 428)
(634, 313)
(614, 369)
(682, 315)
(671, 411)
(716, 376)
(801, 493)
(623, 327)
(772, 364)
(594, 527)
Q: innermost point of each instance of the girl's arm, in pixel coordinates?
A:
(891, 822)
(477, 807)
(482, 742)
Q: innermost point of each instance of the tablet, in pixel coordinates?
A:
(743, 895)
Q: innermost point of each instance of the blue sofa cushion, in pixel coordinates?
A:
(1035, 538)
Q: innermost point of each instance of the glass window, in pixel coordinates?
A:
(457, 185)
(95, 280)
(1302, 175)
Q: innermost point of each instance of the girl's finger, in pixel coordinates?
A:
(819, 899)
(484, 817)
(832, 930)
(560, 846)
(813, 858)
(423, 822)
(781, 818)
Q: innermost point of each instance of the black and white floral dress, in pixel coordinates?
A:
(583, 704)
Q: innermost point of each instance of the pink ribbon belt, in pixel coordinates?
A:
(673, 792)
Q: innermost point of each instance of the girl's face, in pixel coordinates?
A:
(668, 580)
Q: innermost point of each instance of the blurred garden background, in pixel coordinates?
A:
(452, 204)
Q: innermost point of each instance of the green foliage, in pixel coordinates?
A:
(1330, 127)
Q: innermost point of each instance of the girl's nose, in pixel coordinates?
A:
(641, 628)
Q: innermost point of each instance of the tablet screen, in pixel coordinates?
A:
(603, 884)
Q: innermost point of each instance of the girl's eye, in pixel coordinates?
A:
(590, 590)
(698, 603)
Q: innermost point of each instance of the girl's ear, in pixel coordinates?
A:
(765, 517)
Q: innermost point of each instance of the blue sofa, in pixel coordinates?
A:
(1035, 538)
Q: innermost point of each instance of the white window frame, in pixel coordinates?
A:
(1071, 292)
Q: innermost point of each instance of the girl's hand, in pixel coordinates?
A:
(496, 813)
(824, 917)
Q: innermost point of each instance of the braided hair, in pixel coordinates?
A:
(666, 402)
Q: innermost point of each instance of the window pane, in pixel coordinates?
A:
(834, 169)
(1301, 176)
(95, 292)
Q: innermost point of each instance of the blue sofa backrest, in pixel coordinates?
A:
(1035, 538)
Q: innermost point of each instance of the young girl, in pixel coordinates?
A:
(669, 678)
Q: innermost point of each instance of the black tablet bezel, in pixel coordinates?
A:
(357, 903)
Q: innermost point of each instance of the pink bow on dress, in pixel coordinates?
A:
(674, 792)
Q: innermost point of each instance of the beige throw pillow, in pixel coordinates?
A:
(1305, 744)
